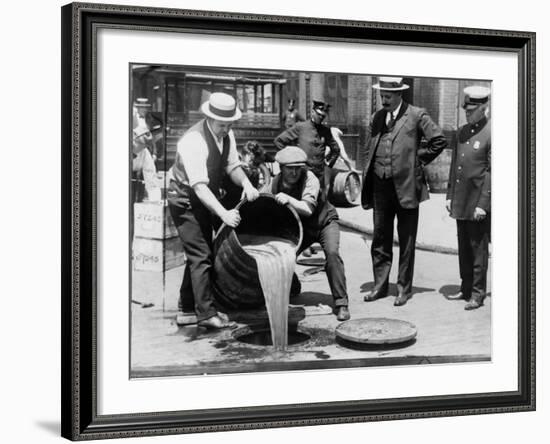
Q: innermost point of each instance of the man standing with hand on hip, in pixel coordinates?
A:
(205, 153)
(394, 182)
(469, 196)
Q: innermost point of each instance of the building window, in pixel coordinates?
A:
(336, 93)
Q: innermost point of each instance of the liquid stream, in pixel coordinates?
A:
(276, 258)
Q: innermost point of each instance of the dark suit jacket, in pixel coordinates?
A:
(470, 174)
(408, 157)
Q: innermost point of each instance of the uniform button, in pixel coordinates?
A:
(468, 142)
(457, 180)
(462, 154)
(459, 167)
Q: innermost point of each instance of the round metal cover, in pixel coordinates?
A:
(376, 331)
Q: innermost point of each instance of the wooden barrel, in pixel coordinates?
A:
(235, 282)
(345, 187)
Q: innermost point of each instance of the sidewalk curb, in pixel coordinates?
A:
(420, 245)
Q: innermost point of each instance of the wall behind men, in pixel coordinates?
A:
(30, 227)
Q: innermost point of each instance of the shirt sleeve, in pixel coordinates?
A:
(434, 136)
(233, 160)
(193, 154)
(311, 190)
(287, 137)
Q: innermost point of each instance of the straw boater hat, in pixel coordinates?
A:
(221, 106)
(291, 156)
(475, 96)
(391, 84)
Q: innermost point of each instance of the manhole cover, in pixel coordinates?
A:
(376, 331)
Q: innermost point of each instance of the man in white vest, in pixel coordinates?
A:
(205, 154)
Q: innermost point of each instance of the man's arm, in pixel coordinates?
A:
(334, 148)
(302, 207)
(485, 197)
(436, 141)
(308, 202)
(228, 217)
(239, 178)
(452, 178)
(287, 137)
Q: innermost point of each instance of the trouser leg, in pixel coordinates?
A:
(186, 301)
(382, 240)
(465, 258)
(407, 227)
(195, 231)
(479, 241)
(330, 242)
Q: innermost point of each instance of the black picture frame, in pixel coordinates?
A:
(80, 420)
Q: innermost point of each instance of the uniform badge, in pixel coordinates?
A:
(477, 145)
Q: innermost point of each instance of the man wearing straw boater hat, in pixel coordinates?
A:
(299, 188)
(205, 154)
(469, 196)
(394, 182)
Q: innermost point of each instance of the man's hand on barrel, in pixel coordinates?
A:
(231, 218)
(282, 198)
(250, 192)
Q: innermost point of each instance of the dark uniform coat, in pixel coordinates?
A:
(408, 157)
(470, 174)
(313, 139)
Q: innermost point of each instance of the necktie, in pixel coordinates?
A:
(391, 122)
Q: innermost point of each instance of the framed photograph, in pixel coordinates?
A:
(235, 188)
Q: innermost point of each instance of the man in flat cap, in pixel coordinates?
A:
(299, 188)
(313, 137)
(205, 154)
(394, 183)
(469, 196)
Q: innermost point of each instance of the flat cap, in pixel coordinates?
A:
(291, 156)
(475, 96)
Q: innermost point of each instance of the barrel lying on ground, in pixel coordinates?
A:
(345, 187)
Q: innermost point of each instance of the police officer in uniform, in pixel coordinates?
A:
(292, 116)
(469, 196)
(313, 137)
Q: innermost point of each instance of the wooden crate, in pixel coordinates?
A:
(152, 220)
(157, 254)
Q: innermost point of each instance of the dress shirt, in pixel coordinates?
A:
(193, 154)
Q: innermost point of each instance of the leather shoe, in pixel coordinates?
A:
(458, 296)
(216, 322)
(473, 304)
(342, 313)
(373, 295)
(401, 299)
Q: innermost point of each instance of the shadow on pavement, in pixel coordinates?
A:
(312, 298)
(392, 290)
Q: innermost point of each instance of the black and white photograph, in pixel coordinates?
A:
(306, 220)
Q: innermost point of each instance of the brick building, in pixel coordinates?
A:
(176, 93)
(353, 101)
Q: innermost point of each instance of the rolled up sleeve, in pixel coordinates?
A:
(193, 155)
(233, 160)
(311, 190)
